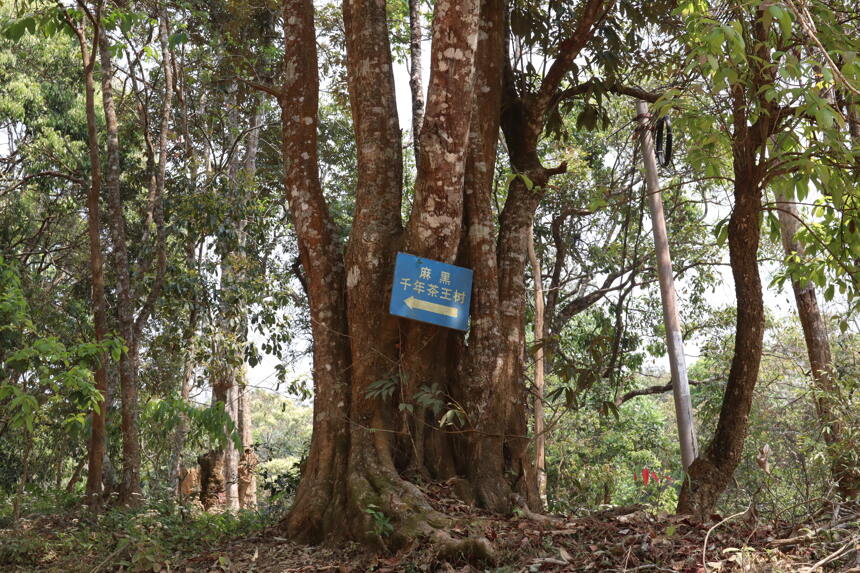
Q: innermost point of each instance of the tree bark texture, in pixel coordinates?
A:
(712, 471)
(368, 453)
(818, 349)
(416, 83)
(540, 439)
(248, 459)
(98, 433)
(130, 489)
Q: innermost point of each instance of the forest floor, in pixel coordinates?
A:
(616, 539)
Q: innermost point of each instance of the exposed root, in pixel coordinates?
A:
(476, 551)
(523, 509)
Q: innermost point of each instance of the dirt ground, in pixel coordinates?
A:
(617, 539)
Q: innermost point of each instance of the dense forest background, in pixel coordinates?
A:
(200, 203)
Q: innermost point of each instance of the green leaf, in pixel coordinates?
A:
(587, 118)
(526, 181)
(177, 39)
(782, 16)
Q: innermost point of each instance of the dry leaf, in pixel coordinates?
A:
(564, 554)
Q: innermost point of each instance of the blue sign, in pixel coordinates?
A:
(431, 291)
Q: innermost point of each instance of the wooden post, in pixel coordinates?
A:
(675, 343)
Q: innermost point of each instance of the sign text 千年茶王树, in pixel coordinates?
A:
(431, 291)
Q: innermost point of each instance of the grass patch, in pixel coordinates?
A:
(150, 538)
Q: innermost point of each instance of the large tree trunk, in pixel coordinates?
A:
(130, 489)
(320, 502)
(368, 453)
(818, 349)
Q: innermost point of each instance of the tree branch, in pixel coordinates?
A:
(592, 13)
(657, 390)
(271, 90)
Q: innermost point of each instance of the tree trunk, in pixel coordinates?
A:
(540, 439)
(98, 433)
(155, 216)
(233, 308)
(22, 480)
(76, 476)
(212, 487)
(367, 452)
(818, 350)
(189, 339)
(248, 460)
(130, 489)
(712, 471)
(231, 452)
(416, 84)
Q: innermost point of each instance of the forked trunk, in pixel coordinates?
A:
(367, 452)
(397, 402)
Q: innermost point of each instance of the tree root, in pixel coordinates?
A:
(473, 550)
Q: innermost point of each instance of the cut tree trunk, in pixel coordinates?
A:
(212, 487)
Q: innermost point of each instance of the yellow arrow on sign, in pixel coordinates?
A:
(413, 303)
